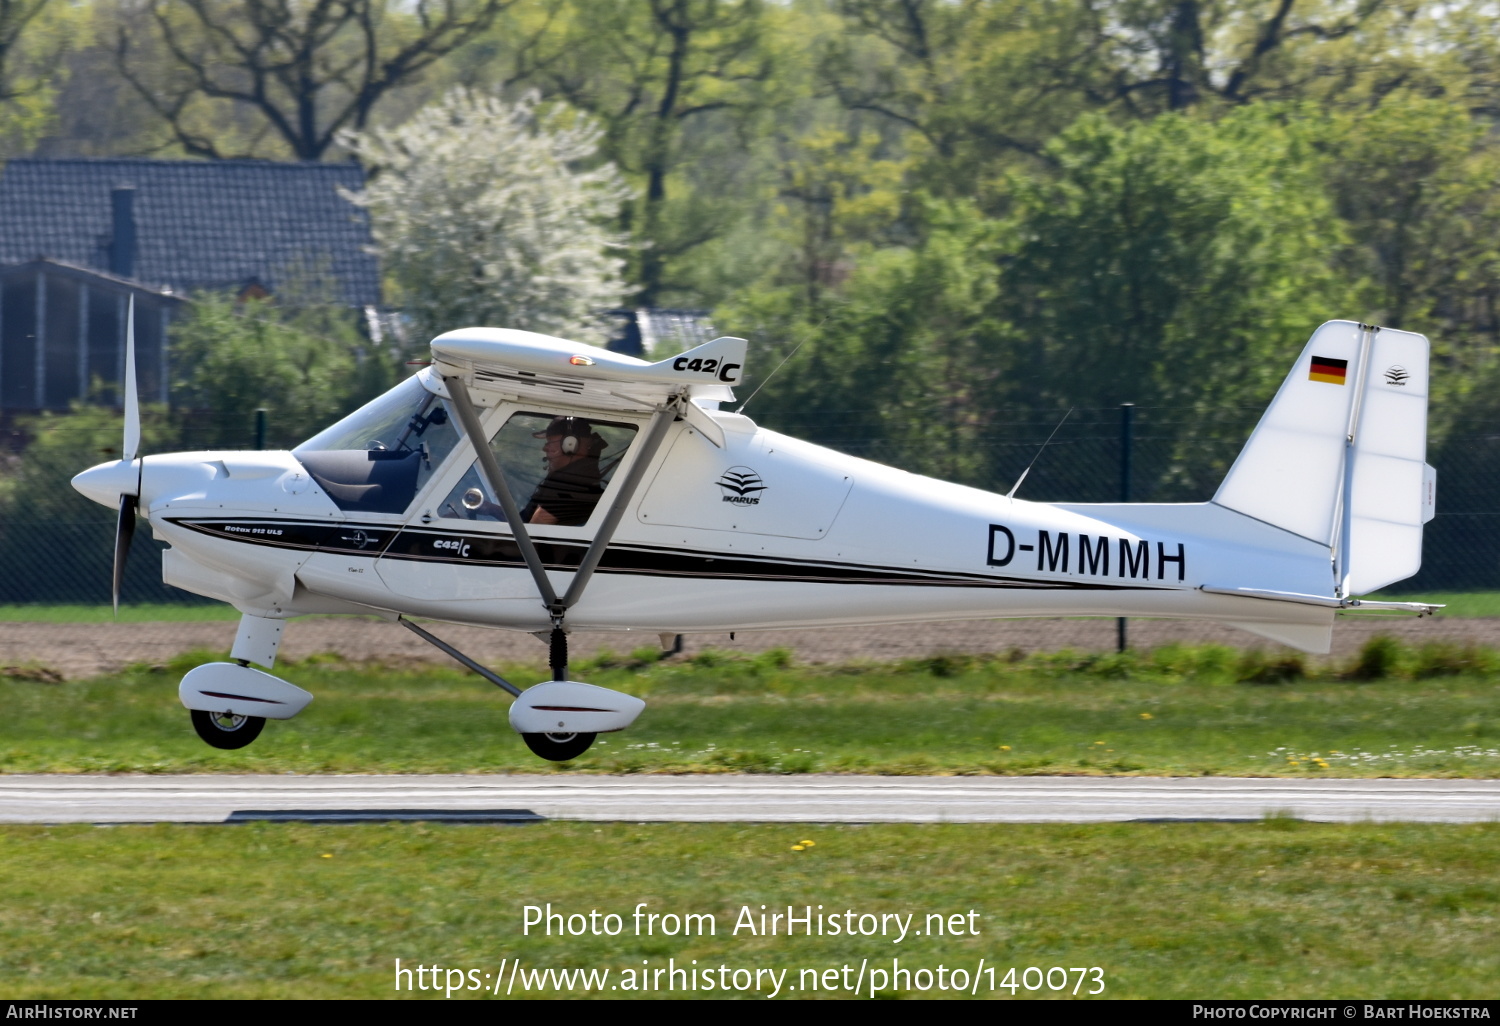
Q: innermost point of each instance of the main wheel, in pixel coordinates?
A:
(559, 747)
(226, 730)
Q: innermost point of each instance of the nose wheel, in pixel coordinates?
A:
(558, 747)
(228, 730)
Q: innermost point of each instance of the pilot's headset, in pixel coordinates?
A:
(575, 434)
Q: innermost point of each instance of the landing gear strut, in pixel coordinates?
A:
(559, 746)
(223, 697)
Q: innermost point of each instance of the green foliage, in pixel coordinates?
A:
(1377, 659)
(132, 613)
(909, 348)
(35, 36)
(1154, 237)
(305, 366)
(1099, 286)
(655, 74)
(1178, 262)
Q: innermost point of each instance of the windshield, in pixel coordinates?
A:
(375, 425)
(376, 459)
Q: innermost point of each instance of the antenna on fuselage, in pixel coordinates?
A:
(768, 377)
(1012, 493)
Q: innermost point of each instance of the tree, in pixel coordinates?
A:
(306, 69)
(1174, 263)
(486, 213)
(901, 364)
(1415, 180)
(1177, 263)
(650, 71)
(34, 34)
(985, 85)
(305, 366)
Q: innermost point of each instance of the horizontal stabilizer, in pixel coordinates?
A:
(1297, 598)
(1328, 602)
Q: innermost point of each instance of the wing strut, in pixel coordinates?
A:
(656, 432)
(459, 392)
(557, 608)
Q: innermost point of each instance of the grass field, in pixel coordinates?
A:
(144, 613)
(1273, 909)
(1178, 711)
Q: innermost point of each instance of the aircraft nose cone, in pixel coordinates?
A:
(108, 481)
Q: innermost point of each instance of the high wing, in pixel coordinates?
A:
(523, 364)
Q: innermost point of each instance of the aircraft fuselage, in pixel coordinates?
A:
(763, 532)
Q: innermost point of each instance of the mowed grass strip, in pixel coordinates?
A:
(1271, 909)
(1177, 711)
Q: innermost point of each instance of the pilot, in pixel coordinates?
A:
(573, 485)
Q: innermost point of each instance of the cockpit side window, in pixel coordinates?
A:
(379, 457)
(557, 468)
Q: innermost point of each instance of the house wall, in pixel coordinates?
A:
(62, 338)
(18, 344)
(61, 382)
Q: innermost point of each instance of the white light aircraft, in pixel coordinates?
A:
(527, 482)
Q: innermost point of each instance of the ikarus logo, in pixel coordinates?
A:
(741, 486)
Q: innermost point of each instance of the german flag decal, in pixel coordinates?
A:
(1326, 368)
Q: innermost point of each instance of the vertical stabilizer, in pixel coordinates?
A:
(1339, 457)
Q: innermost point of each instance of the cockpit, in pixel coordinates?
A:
(383, 455)
(557, 467)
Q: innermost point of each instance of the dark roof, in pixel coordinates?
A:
(90, 275)
(648, 328)
(199, 224)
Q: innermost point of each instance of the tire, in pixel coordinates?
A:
(559, 747)
(227, 732)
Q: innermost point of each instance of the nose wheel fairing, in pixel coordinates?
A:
(571, 707)
(237, 690)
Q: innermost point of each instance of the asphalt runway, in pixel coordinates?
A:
(741, 799)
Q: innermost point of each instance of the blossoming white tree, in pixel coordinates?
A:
(487, 213)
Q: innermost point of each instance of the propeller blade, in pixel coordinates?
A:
(124, 533)
(132, 400)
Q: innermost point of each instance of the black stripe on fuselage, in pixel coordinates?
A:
(426, 545)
